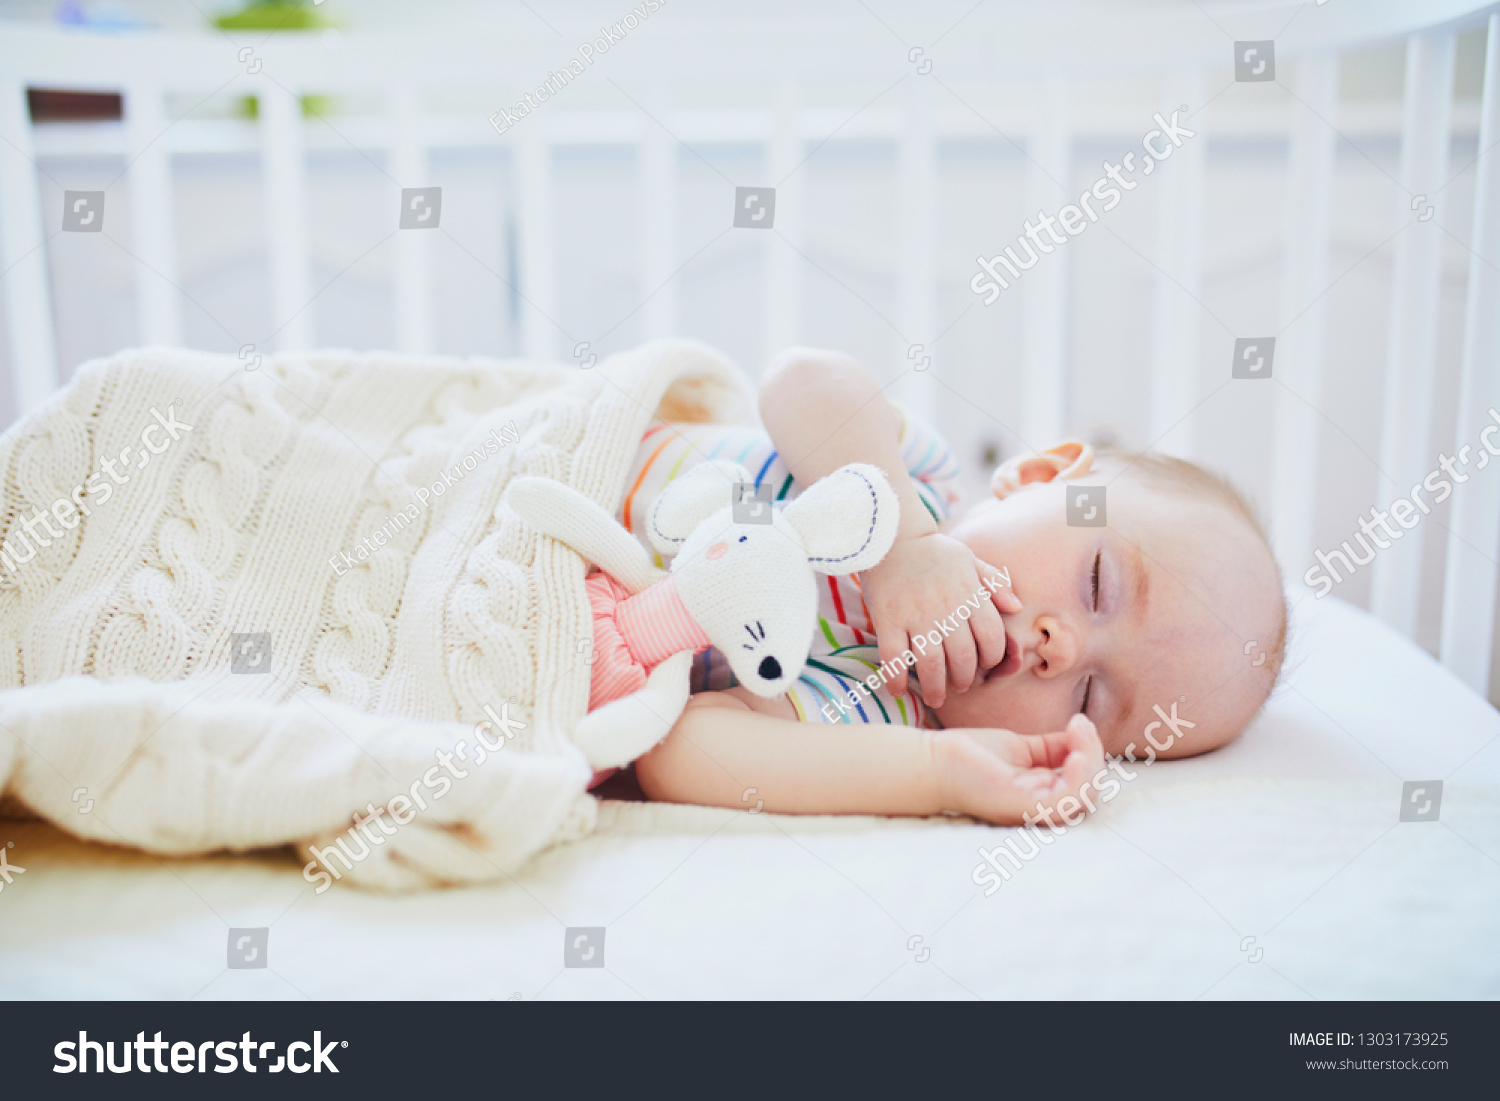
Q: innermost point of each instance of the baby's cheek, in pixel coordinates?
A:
(1000, 706)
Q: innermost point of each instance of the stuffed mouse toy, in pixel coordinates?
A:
(746, 587)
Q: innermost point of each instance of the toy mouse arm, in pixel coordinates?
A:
(571, 518)
(617, 733)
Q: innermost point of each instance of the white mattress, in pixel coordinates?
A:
(1290, 836)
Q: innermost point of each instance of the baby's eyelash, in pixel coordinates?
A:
(1088, 685)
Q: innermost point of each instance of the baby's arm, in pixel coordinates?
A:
(721, 747)
(822, 410)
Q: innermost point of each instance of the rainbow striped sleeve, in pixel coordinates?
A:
(668, 450)
(835, 688)
(931, 463)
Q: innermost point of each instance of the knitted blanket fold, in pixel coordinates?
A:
(287, 605)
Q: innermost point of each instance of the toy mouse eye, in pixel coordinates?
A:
(743, 538)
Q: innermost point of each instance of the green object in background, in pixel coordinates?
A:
(278, 15)
(273, 15)
(312, 106)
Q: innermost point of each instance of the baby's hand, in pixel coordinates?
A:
(920, 584)
(1001, 777)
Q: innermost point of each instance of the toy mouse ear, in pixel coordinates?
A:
(846, 521)
(689, 500)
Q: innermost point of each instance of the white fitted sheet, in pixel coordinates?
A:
(1289, 836)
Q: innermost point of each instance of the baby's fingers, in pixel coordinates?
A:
(891, 642)
(931, 670)
(1084, 760)
(1051, 750)
(985, 623)
(988, 632)
(1001, 594)
(1006, 600)
(962, 659)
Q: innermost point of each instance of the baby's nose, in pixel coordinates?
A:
(1056, 648)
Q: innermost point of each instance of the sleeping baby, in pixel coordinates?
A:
(1035, 647)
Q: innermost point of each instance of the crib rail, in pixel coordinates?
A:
(1178, 40)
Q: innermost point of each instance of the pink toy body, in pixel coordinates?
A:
(634, 634)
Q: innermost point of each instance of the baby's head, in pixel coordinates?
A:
(1184, 581)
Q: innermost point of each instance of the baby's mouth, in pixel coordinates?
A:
(1010, 664)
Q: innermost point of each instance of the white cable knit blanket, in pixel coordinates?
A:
(138, 554)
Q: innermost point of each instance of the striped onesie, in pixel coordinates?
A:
(843, 647)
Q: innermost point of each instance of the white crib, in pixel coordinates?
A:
(1185, 46)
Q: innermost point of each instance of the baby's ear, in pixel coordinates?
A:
(689, 500)
(846, 521)
(1068, 459)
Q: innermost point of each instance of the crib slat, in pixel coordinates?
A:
(1405, 451)
(1298, 368)
(658, 153)
(1474, 524)
(286, 217)
(1044, 330)
(784, 267)
(23, 257)
(916, 264)
(534, 226)
(1176, 313)
(154, 242)
(413, 252)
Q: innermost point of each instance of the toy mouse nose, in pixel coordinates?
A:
(770, 668)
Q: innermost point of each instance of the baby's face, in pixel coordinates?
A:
(1154, 609)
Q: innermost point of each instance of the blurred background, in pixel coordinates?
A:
(605, 216)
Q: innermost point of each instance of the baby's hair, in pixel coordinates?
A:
(1181, 476)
